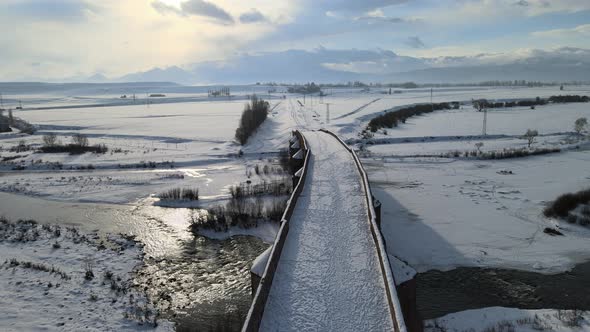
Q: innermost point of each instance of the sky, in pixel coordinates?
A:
(68, 39)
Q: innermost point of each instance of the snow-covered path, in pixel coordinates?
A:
(328, 277)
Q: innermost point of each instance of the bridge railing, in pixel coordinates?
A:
(252, 322)
(392, 298)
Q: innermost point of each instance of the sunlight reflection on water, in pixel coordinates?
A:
(196, 282)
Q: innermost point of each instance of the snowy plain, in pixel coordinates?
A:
(485, 213)
(466, 212)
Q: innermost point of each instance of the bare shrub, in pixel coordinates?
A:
(571, 318)
(180, 194)
(276, 187)
(571, 218)
(566, 203)
(530, 136)
(80, 140)
(49, 139)
(478, 146)
(89, 273)
(580, 125)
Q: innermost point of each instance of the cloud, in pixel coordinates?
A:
(166, 9)
(57, 10)
(253, 16)
(579, 31)
(197, 8)
(523, 3)
(541, 7)
(206, 9)
(378, 17)
(563, 56)
(415, 42)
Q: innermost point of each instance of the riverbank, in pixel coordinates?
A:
(509, 319)
(55, 277)
(193, 280)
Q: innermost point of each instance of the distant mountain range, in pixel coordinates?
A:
(329, 66)
(323, 65)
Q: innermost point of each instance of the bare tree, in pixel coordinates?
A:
(580, 125)
(478, 146)
(80, 140)
(480, 104)
(50, 139)
(530, 136)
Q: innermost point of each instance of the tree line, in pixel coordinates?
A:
(392, 118)
(485, 104)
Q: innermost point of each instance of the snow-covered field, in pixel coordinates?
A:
(547, 119)
(481, 212)
(474, 213)
(439, 213)
(189, 145)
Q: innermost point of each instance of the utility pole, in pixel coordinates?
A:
(485, 121)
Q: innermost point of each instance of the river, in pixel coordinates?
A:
(200, 284)
(440, 293)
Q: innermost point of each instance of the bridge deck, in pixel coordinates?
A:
(328, 277)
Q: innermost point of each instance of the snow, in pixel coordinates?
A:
(438, 213)
(511, 319)
(328, 277)
(402, 272)
(551, 118)
(443, 145)
(259, 263)
(33, 299)
(471, 213)
(126, 186)
(266, 231)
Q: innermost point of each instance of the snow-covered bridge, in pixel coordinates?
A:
(327, 270)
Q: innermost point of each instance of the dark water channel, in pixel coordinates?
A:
(440, 293)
